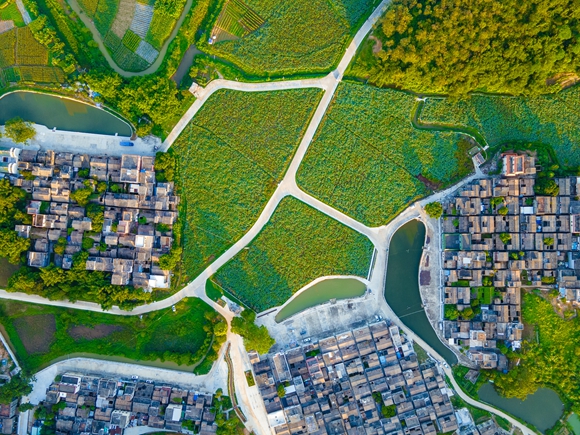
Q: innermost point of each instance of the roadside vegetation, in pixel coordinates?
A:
(297, 245)
(41, 333)
(369, 162)
(507, 47)
(301, 36)
(231, 157)
(550, 359)
(255, 337)
(549, 119)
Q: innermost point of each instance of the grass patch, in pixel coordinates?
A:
(250, 378)
(503, 423)
(298, 36)
(369, 162)
(550, 119)
(298, 245)
(231, 157)
(9, 11)
(470, 389)
(42, 333)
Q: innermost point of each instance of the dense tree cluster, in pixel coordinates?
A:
(76, 284)
(12, 201)
(165, 166)
(456, 46)
(434, 210)
(148, 101)
(255, 337)
(19, 131)
(18, 386)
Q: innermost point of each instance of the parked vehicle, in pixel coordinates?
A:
(126, 143)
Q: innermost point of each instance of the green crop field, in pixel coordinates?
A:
(231, 157)
(551, 119)
(159, 29)
(131, 40)
(297, 36)
(174, 336)
(368, 161)
(103, 12)
(297, 245)
(236, 19)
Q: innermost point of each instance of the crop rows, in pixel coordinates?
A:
(7, 44)
(28, 50)
(297, 245)
(105, 15)
(131, 40)
(367, 160)
(146, 51)
(550, 119)
(231, 157)
(142, 19)
(12, 75)
(299, 35)
(128, 60)
(238, 19)
(41, 74)
(160, 28)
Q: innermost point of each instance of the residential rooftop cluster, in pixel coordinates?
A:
(498, 236)
(131, 223)
(365, 381)
(96, 405)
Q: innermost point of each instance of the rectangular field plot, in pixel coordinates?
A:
(7, 48)
(147, 51)
(41, 74)
(237, 19)
(131, 40)
(368, 161)
(28, 50)
(141, 19)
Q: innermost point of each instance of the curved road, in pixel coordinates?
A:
(250, 402)
(99, 40)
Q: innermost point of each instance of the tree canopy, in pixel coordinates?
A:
(18, 386)
(434, 210)
(457, 46)
(255, 337)
(19, 130)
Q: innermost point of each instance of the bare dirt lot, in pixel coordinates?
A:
(36, 332)
(82, 332)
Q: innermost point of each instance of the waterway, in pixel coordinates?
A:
(542, 409)
(321, 292)
(62, 113)
(185, 64)
(574, 421)
(402, 285)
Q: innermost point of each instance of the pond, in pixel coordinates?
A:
(542, 409)
(402, 285)
(574, 421)
(62, 113)
(321, 292)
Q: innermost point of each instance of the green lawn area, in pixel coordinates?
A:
(368, 161)
(550, 119)
(299, 36)
(10, 11)
(41, 333)
(554, 362)
(231, 157)
(298, 245)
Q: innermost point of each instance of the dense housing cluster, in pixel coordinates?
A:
(367, 381)
(96, 405)
(111, 207)
(501, 234)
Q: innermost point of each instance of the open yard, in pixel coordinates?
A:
(368, 161)
(298, 36)
(551, 119)
(298, 245)
(42, 333)
(231, 157)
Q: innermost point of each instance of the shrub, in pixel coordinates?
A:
(506, 238)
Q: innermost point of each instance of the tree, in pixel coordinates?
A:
(546, 186)
(548, 241)
(451, 312)
(389, 411)
(255, 338)
(164, 166)
(507, 46)
(505, 238)
(82, 196)
(12, 246)
(467, 313)
(503, 211)
(171, 260)
(19, 131)
(434, 210)
(18, 386)
(281, 390)
(95, 212)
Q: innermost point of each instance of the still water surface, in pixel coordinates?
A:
(542, 409)
(62, 113)
(402, 286)
(332, 288)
